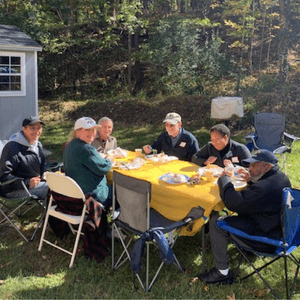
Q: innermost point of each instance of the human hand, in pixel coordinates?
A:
(244, 173)
(210, 160)
(227, 162)
(34, 181)
(147, 149)
(111, 158)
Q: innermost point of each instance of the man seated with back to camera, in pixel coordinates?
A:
(175, 141)
(23, 157)
(258, 207)
(221, 149)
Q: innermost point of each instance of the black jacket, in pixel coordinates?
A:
(258, 206)
(17, 161)
(235, 149)
(185, 148)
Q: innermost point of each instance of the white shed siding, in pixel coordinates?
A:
(16, 108)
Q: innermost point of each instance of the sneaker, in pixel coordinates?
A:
(215, 277)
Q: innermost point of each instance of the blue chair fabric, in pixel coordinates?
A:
(284, 247)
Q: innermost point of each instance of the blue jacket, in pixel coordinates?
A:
(83, 163)
(185, 148)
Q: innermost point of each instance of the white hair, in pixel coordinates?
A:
(105, 119)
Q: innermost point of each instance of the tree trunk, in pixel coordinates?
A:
(129, 63)
(283, 46)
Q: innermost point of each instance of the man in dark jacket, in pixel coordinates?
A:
(258, 208)
(175, 141)
(23, 157)
(221, 148)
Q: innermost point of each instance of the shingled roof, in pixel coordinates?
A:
(12, 38)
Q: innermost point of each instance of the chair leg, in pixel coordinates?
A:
(76, 245)
(12, 223)
(43, 232)
(38, 226)
(257, 271)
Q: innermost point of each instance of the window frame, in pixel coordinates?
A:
(22, 92)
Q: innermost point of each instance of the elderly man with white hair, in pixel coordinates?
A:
(83, 163)
(104, 141)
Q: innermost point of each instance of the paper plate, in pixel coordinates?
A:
(174, 178)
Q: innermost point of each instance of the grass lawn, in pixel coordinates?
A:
(26, 273)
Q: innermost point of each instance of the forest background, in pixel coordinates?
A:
(126, 58)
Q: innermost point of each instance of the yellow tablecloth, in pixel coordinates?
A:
(174, 201)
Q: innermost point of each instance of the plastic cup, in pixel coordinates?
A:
(138, 152)
(209, 174)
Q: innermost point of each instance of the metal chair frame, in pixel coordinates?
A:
(121, 223)
(20, 203)
(284, 247)
(66, 186)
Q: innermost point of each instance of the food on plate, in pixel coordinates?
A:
(195, 179)
(161, 158)
(216, 170)
(174, 178)
(117, 153)
(137, 163)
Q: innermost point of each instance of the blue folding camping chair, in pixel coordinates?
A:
(284, 247)
(269, 134)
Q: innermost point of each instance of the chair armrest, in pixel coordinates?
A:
(52, 167)
(290, 136)
(13, 180)
(18, 179)
(251, 136)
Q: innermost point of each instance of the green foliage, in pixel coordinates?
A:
(181, 63)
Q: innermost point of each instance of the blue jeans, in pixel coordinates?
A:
(40, 190)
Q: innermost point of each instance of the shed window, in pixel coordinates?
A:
(12, 74)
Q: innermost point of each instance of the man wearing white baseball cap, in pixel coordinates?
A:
(175, 141)
(83, 163)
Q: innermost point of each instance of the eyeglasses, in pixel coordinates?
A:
(35, 127)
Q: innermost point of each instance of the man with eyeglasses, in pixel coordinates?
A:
(258, 208)
(23, 157)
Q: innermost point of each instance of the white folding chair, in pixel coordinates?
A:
(65, 186)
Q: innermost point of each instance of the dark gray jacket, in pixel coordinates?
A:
(258, 206)
(20, 161)
(235, 149)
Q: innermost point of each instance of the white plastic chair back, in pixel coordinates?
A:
(64, 185)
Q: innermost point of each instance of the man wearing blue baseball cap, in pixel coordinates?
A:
(23, 157)
(258, 207)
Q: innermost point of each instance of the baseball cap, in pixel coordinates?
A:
(86, 123)
(261, 155)
(32, 121)
(172, 118)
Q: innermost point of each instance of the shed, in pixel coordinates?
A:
(18, 79)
